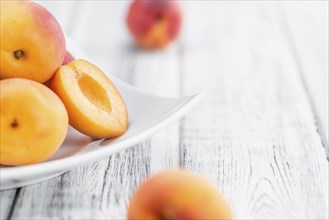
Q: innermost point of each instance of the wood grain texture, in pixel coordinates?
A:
(255, 136)
(307, 29)
(6, 201)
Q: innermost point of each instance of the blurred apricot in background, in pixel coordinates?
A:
(154, 24)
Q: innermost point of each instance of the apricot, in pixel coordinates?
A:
(177, 194)
(34, 122)
(68, 58)
(32, 41)
(154, 24)
(94, 105)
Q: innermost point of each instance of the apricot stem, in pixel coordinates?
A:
(18, 54)
(159, 16)
(14, 123)
(163, 217)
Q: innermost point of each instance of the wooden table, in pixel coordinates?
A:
(261, 134)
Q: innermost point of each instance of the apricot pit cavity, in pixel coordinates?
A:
(94, 92)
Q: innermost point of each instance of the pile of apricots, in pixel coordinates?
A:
(43, 90)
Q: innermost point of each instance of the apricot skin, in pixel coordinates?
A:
(32, 41)
(154, 24)
(94, 105)
(34, 122)
(68, 58)
(177, 194)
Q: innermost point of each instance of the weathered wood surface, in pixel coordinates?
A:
(258, 136)
(306, 27)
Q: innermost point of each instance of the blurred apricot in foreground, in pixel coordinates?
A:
(177, 194)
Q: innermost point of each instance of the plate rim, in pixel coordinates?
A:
(68, 163)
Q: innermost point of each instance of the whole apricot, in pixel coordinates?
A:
(32, 41)
(68, 58)
(33, 121)
(178, 195)
(154, 24)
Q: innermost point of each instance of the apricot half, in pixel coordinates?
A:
(179, 195)
(94, 105)
(34, 122)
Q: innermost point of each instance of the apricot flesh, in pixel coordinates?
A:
(94, 105)
(177, 194)
(32, 41)
(34, 122)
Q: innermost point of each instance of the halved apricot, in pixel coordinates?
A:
(94, 105)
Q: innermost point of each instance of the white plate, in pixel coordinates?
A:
(147, 114)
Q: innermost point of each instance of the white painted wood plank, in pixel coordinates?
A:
(307, 24)
(151, 72)
(85, 192)
(6, 201)
(255, 135)
(102, 189)
(51, 199)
